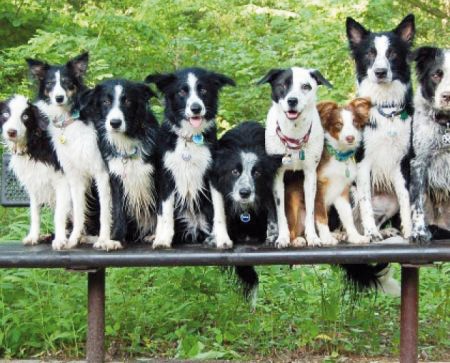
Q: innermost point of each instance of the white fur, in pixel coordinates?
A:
(115, 113)
(165, 224)
(220, 231)
(381, 45)
(58, 90)
(313, 150)
(245, 180)
(193, 96)
(444, 84)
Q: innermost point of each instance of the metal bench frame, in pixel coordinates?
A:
(86, 259)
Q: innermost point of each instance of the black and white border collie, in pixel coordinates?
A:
(127, 132)
(383, 75)
(35, 164)
(294, 131)
(430, 167)
(187, 140)
(75, 143)
(243, 175)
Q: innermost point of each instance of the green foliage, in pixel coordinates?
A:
(195, 312)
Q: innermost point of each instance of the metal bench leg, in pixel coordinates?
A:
(409, 316)
(95, 344)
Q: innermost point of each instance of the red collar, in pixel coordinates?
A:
(293, 144)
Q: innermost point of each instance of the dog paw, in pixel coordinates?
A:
(421, 237)
(374, 235)
(328, 240)
(299, 242)
(107, 245)
(59, 244)
(224, 243)
(72, 242)
(161, 243)
(88, 239)
(358, 239)
(149, 238)
(390, 232)
(313, 241)
(282, 242)
(31, 240)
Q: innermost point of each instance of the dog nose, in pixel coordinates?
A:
(292, 101)
(196, 108)
(59, 99)
(12, 133)
(446, 97)
(380, 72)
(115, 123)
(350, 139)
(245, 192)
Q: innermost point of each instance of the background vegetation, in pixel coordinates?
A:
(195, 312)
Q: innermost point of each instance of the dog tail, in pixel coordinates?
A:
(248, 278)
(363, 277)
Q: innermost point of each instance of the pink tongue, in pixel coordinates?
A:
(196, 121)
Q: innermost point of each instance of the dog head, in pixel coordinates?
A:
(119, 107)
(18, 117)
(381, 57)
(59, 84)
(294, 89)
(343, 125)
(433, 72)
(191, 97)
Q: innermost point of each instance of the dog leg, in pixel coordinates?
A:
(165, 224)
(35, 214)
(419, 175)
(272, 226)
(309, 187)
(77, 191)
(62, 210)
(321, 215)
(363, 184)
(220, 232)
(344, 209)
(403, 200)
(283, 228)
(104, 241)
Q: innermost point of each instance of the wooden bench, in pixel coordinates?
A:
(411, 257)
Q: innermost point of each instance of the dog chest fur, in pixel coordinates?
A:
(340, 174)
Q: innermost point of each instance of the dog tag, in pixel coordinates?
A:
(198, 139)
(347, 172)
(446, 139)
(62, 139)
(245, 217)
(392, 133)
(286, 160)
(186, 156)
(301, 154)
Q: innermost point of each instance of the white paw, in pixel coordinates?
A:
(358, 239)
(31, 240)
(313, 240)
(223, 242)
(161, 242)
(328, 240)
(59, 244)
(389, 232)
(149, 238)
(282, 242)
(72, 242)
(374, 235)
(299, 242)
(88, 239)
(107, 245)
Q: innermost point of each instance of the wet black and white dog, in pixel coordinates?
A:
(243, 175)
(34, 162)
(127, 132)
(383, 75)
(187, 140)
(294, 131)
(75, 142)
(430, 167)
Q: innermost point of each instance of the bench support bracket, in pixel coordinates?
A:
(409, 315)
(95, 345)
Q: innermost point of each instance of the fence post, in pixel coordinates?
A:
(409, 315)
(95, 345)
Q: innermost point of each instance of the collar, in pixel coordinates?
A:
(197, 139)
(290, 143)
(400, 111)
(126, 156)
(339, 155)
(62, 121)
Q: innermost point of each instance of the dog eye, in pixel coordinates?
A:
(106, 102)
(203, 91)
(5, 114)
(127, 102)
(70, 86)
(372, 53)
(257, 174)
(235, 172)
(283, 86)
(24, 117)
(338, 126)
(182, 93)
(437, 75)
(306, 87)
(392, 54)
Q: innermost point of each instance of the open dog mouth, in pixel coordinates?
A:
(292, 115)
(196, 121)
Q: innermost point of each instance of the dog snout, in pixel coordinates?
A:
(12, 133)
(350, 139)
(115, 123)
(59, 99)
(245, 192)
(196, 108)
(380, 73)
(445, 97)
(292, 101)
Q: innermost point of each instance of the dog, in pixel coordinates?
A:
(187, 140)
(383, 75)
(430, 176)
(343, 127)
(127, 132)
(293, 130)
(243, 175)
(75, 143)
(34, 162)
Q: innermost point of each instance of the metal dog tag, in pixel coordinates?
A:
(245, 217)
(186, 156)
(198, 139)
(446, 139)
(286, 160)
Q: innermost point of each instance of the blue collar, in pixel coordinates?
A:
(339, 155)
(126, 156)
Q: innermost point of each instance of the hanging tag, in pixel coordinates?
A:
(347, 172)
(62, 139)
(186, 156)
(301, 154)
(404, 115)
(198, 139)
(286, 160)
(245, 217)
(446, 139)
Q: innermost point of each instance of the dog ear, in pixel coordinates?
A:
(88, 103)
(422, 55)
(146, 91)
(162, 81)
(271, 76)
(3, 105)
(42, 120)
(355, 31)
(406, 29)
(79, 64)
(37, 68)
(360, 107)
(222, 80)
(321, 80)
(326, 109)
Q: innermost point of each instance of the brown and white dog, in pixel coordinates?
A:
(343, 126)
